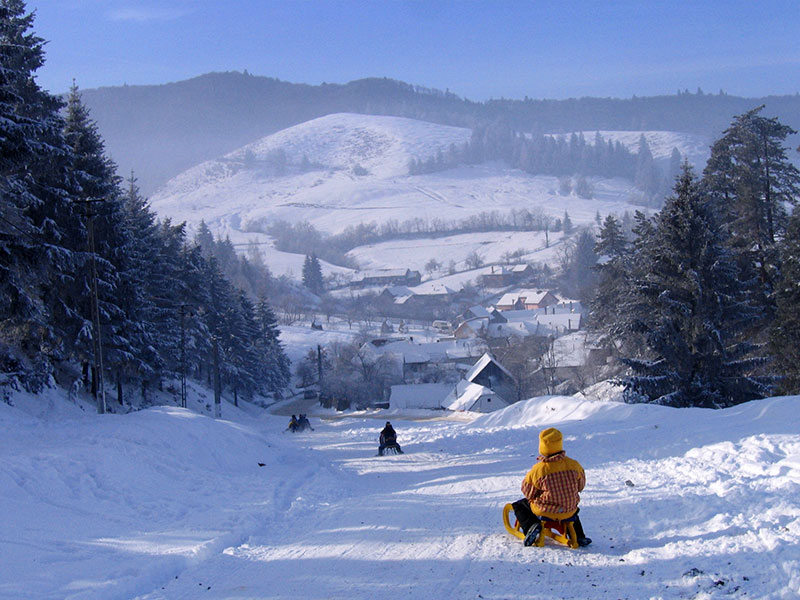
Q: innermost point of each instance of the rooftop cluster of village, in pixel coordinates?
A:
(519, 342)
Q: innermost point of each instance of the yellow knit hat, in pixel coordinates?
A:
(550, 442)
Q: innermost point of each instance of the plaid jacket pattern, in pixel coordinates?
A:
(553, 486)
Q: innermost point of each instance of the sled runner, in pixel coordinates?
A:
(391, 449)
(562, 532)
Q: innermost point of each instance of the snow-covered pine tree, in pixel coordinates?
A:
(276, 367)
(147, 293)
(751, 181)
(688, 308)
(205, 239)
(243, 365)
(612, 270)
(32, 203)
(190, 296)
(95, 188)
(220, 302)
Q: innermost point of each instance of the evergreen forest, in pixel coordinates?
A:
(94, 287)
(699, 302)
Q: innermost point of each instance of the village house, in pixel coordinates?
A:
(387, 277)
(526, 300)
(498, 326)
(413, 362)
(486, 387)
(429, 396)
(499, 276)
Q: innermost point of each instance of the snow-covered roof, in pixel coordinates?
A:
(432, 289)
(522, 315)
(527, 296)
(397, 290)
(379, 273)
(473, 326)
(479, 311)
(467, 395)
(515, 328)
(508, 299)
(564, 321)
(442, 351)
(482, 363)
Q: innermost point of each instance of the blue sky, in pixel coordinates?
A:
(476, 49)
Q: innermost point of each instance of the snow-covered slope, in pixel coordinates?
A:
(347, 169)
(695, 148)
(166, 504)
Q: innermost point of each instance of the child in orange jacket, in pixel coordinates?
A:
(552, 489)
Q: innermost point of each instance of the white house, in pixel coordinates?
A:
(473, 397)
(483, 387)
(422, 395)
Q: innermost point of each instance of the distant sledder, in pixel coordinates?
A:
(388, 441)
(552, 492)
(299, 424)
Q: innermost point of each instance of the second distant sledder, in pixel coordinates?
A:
(388, 439)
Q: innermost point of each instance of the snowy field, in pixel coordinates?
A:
(168, 504)
(356, 172)
(490, 246)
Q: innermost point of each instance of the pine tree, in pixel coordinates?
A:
(243, 366)
(646, 177)
(205, 239)
(276, 367)
(751, 181)
(566, 224)
(95, 189)
(688, 309)
(612, 271)
(147, 292)
(312, 275)
(32, 202)
(578, 264)
(785, 330)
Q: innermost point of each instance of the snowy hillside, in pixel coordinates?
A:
(695, 148)
(166, 504)
(347, 169)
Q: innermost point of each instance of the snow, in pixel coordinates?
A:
(238, 194)
(696, 148)
(167, 503)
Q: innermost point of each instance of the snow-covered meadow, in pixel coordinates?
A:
(344, 170)
(167, 503)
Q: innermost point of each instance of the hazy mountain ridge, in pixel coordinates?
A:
(161, 130)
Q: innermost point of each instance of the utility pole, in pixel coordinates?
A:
(97, 344)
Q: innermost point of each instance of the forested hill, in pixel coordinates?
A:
(161, 130)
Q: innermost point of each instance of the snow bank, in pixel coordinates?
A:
(166, 504)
